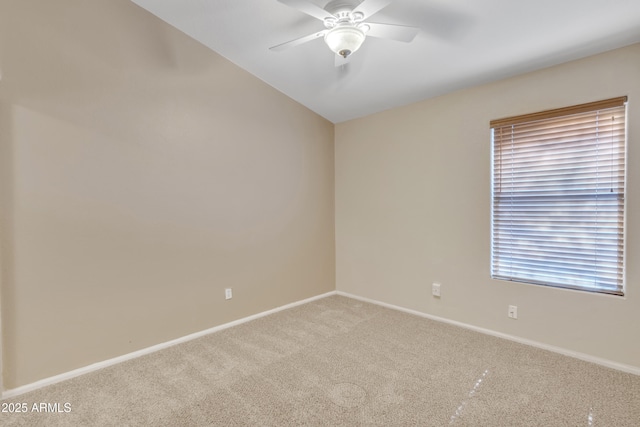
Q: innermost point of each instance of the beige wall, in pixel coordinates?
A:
(413, 207)
(142, 174)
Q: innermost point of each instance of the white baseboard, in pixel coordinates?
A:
(99, 365)
(577, 355)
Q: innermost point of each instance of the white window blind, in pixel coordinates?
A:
(558, 197)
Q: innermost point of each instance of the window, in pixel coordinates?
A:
(558, 197)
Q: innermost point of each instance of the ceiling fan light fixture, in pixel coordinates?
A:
(344, 40)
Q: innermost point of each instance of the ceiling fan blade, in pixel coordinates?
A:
(299, 41)
(401, 33)
(369, 7)
(309, 8)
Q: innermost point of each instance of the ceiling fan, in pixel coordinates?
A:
(345, 26)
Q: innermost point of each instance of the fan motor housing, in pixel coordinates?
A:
(342, 12)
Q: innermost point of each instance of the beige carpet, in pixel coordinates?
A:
(342, 362)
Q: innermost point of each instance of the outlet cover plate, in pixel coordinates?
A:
(435, 289)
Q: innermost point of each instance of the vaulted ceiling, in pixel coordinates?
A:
(460, 43)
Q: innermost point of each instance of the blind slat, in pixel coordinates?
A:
(561, 112)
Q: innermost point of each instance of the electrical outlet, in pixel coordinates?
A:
(435, 289)
(228, 294)
(513, 311)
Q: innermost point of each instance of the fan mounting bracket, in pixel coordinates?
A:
(335, 7)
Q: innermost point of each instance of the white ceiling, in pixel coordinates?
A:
(461, 43)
